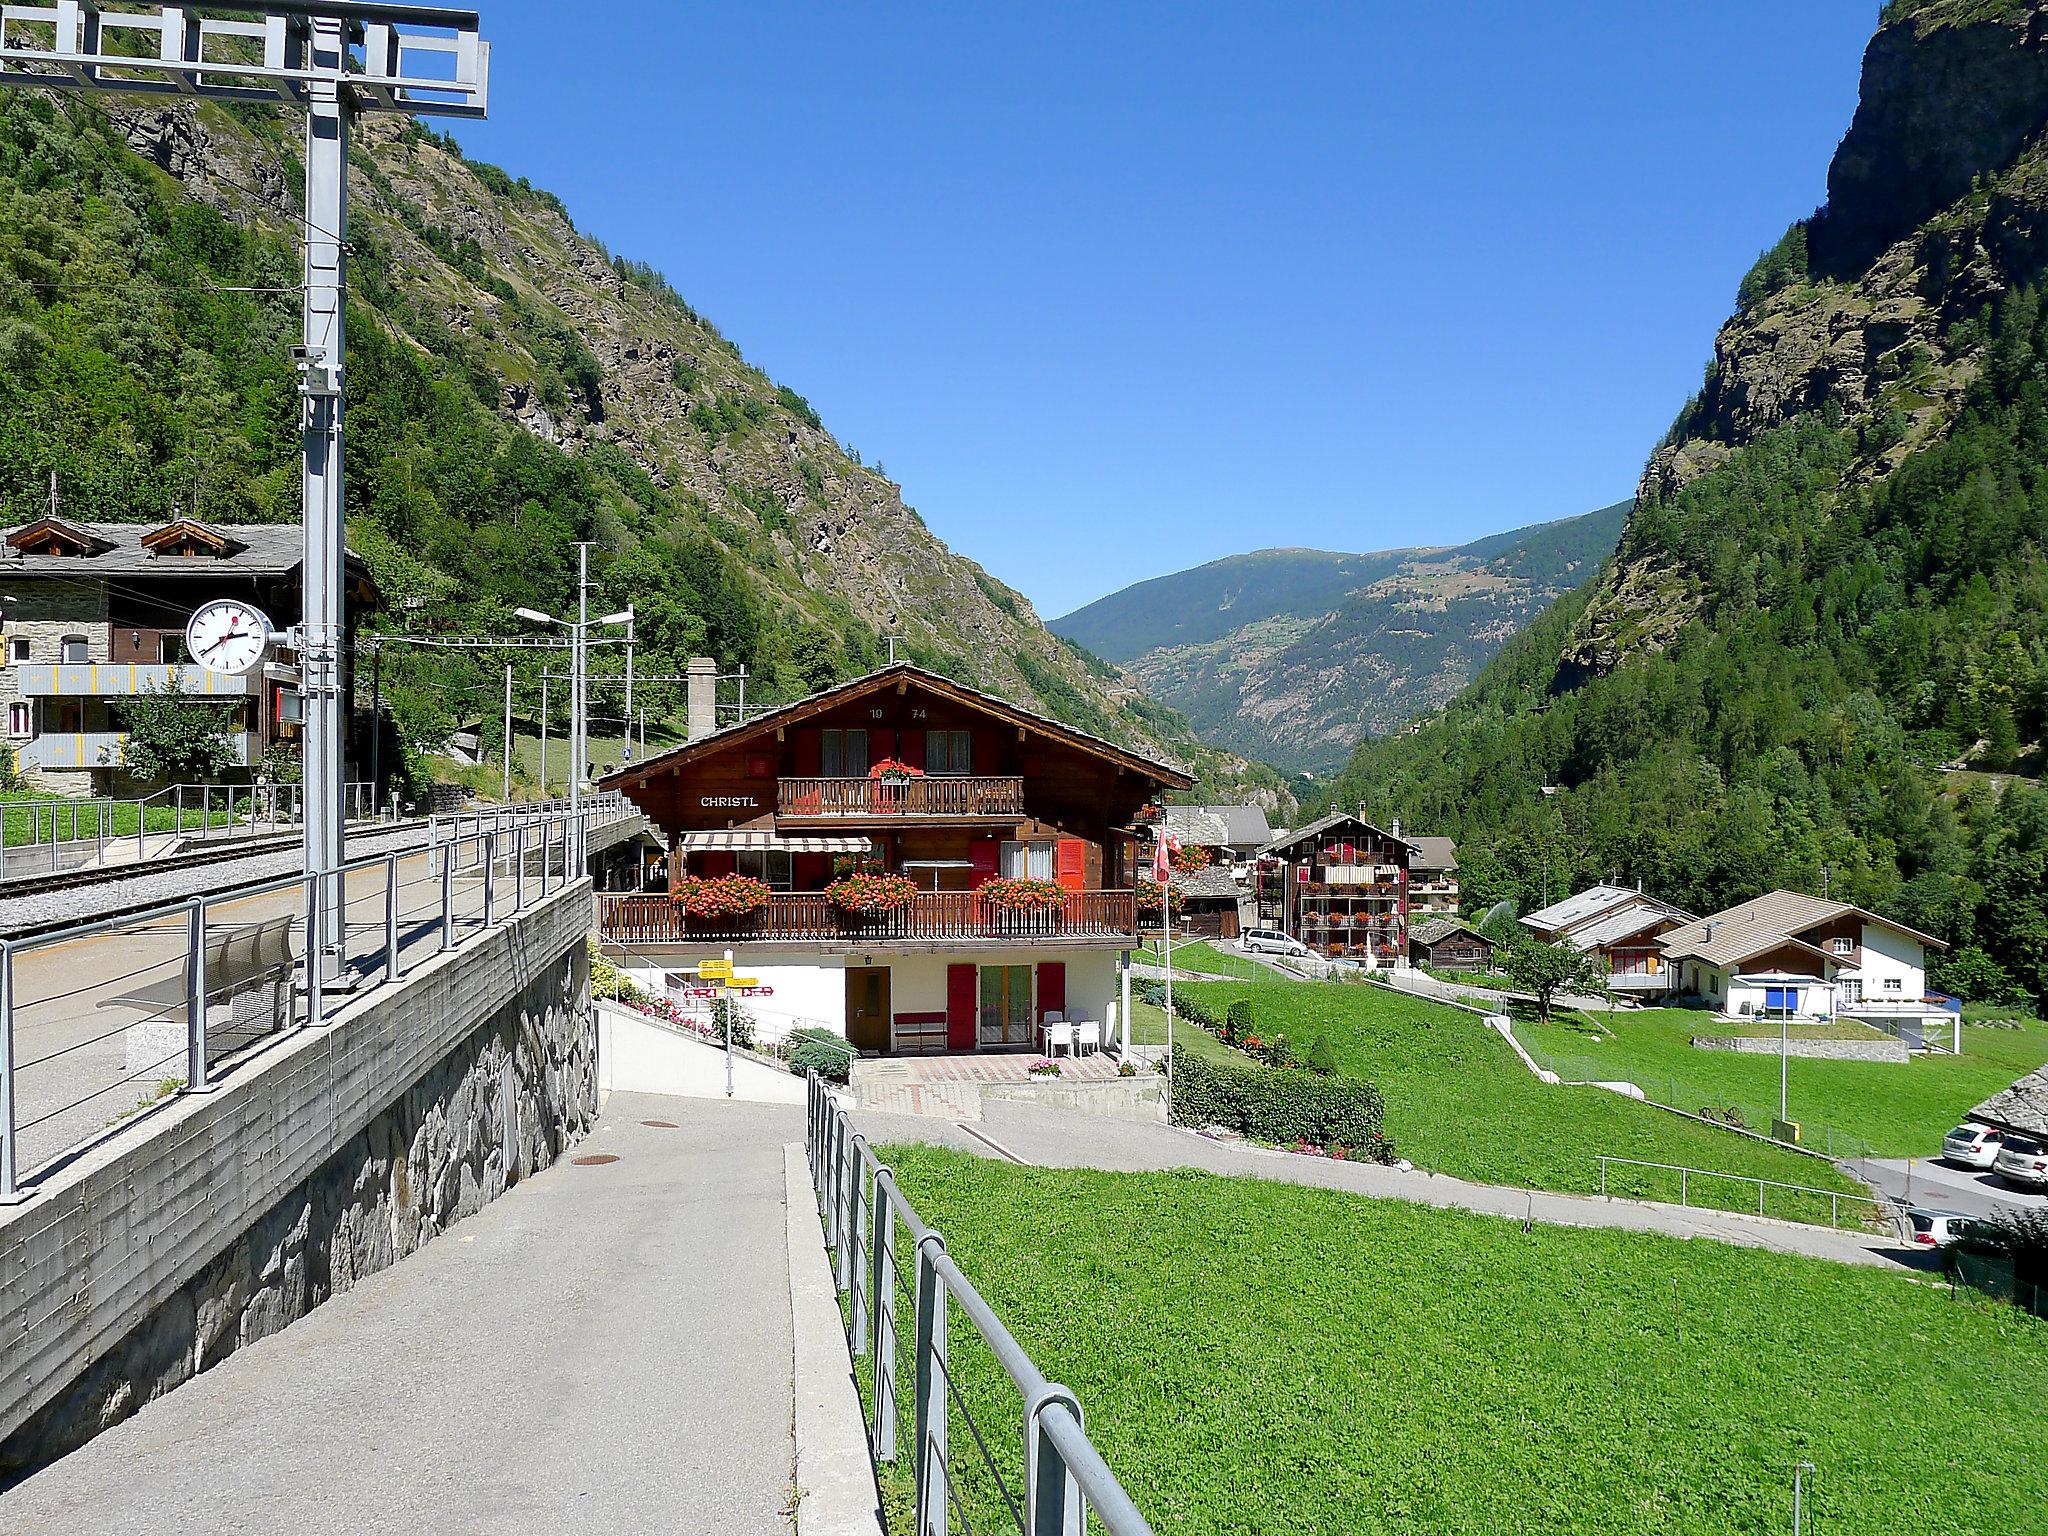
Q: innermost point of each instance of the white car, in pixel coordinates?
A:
(1971, 1145)
(1935, 1229)
(1270, 941)
(2023, 1161)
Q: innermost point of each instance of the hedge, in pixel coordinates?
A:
(1280, 1105)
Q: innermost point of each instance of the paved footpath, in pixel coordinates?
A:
(1054, 1138)
(603, 1349)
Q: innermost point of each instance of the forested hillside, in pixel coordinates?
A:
(1820, 655)
(513, 388)
(1291, 654)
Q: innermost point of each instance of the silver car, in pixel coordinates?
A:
(1935, 1229)
(2023, 1161)
(1971, 1145)
(1270, 941)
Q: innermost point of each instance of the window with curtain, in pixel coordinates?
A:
(949, 752)
(1027, 861)
(770, 864)
(845, 754)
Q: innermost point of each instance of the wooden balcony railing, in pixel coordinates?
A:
(880, 799)
(808, 916)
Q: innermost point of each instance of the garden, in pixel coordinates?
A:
(1459, 1101)
(1859, 1108)
(1258, 1357)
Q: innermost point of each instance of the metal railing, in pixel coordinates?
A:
(99, 1020)
(1884, 1209)
(1062, 1478)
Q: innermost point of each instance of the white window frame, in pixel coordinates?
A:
(1844, 946)
(1034, 860)
(1894, 984)
(19, 649)
(21, 720)
(83, 644)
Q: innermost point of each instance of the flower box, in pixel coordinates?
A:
(727, 898)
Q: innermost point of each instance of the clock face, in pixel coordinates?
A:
(228, 636)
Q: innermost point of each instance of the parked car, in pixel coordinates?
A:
(1936, 1229)
(1971, 1145)
(2023, 1161)
(1270, 941)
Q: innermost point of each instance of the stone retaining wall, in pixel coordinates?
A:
(1817, 1050)
(325, 1160)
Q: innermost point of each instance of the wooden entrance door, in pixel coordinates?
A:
(1005, 1005)
(867, 1008)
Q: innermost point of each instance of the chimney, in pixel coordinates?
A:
(702, 695)
(1396, 829)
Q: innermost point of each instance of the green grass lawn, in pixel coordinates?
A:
(1255, 1358)
(1460, 1102)
(1898, 1110)
(1201, 955)
(32, 818)
(1148, 1027)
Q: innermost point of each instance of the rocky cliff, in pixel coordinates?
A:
(1937, 207)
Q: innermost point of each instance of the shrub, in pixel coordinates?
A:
(1321, 1058)
(1280, 1106)
(727, 1014)
(1237, 1020)
(814, 1049)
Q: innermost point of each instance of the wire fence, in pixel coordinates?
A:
(100, 1021)
(934, 1394)
(1972, 1274)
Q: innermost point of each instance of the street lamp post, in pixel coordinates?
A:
(579, 651)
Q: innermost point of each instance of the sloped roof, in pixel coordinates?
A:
(1434, 853)
(263, 549)
(1765, 922)
(1625, 922)
(1235, 826)
(1166, 773)
(2022, 1107)
(1584, 906)
(1322, 824)
(1207, 884)
(1437, 929)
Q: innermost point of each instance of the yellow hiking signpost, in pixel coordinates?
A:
(717, 974)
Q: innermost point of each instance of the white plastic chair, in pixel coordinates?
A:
(1087, 1037)
(1058, 1036)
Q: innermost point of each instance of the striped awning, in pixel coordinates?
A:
(757, 840)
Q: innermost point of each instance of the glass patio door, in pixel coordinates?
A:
(1005, 1005)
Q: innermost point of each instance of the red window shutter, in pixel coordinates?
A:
(810, 871)
(810, 754)
(986, 856)
(988, 746)
(963, 996)
(912, 753)
(1052, 988)
(1070, 864)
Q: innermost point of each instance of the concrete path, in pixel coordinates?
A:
(606, 1348)
(1974, 1192)
(1052, 1138)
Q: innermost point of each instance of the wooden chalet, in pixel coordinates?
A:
(907, 773)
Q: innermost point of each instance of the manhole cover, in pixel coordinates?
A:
(594, 1159)
(661, 1125)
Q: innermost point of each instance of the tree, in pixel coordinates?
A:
(1544, 970)
(173, 737)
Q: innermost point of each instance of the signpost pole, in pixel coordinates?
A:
(722, 986)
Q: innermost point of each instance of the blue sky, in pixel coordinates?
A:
(1115, 289)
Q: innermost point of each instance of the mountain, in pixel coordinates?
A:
(1292, 654)
(1819, 656)
(513, 388)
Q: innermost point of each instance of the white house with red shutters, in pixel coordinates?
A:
(919, 866)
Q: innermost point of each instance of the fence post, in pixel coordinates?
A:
(1759, 1197)
(1603, 1178)
(447, 900)
(195, 998)
(863, 1243)
(9, 1194)
(849, 1220)
(490, 878)
(519, 868)
(928, 1389)
(1052, 1497)
(882, 1303)
(1684, 1183)
(391, 966)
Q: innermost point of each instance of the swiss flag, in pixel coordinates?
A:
(1164, 847)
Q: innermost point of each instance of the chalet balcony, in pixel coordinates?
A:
(56, 750)
(807, 917)
(1639, 981)
(934, 798)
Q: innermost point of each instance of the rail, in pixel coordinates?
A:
(1062, 1479)
(939, 795)
(810, 915)
(1883, 1208)
(100, 1020)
